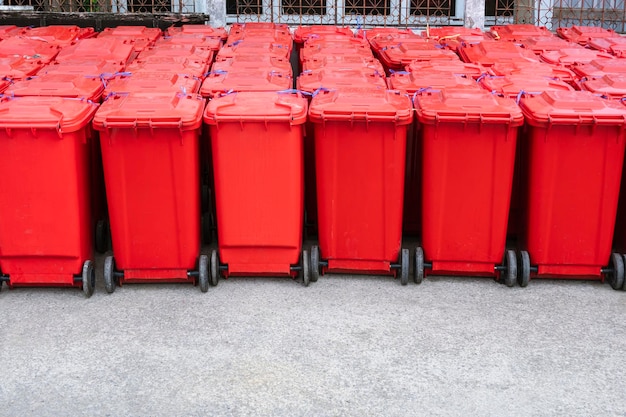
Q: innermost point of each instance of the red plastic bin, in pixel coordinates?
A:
(28, 48)
(311, 81)
(411, 82)
(252, 62)
(141, 37)
(256, 49)
(304, 33)
(380, 41)
(152, 82)
(181, 51)
(169, 65)
(360, 145)
(519, 32)
(454, 36)
(108, 49)
(275, 37)
(612, 86)
(615, 45)
(512, 85)
(18, 67)
(468, 144)
(569, 57)
(583, 34)
(342, 61)
(537, 69)
(59, 85)
(58, 35)
(217, 83)
(150, 154)
(489, 53)
(600, 67)
(204, 30)
(447, 67)
(89, 68)
(397, 57)
(45, 206)
(201, 41)
(576, 151)
(257, 151)
(546, 44)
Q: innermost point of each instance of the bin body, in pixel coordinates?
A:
(150, 153)
(45, 204)
(468, 146)
(360, 151)
(257, 151)
(575, 156)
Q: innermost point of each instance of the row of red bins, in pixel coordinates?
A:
(151, 144)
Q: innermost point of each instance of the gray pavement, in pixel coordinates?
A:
(345, 346)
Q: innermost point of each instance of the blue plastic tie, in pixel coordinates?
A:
(321, 90)
(522, 92)
(359, 22)
(422, 90)
(216, 72)
(294, 91)
(397, 72)
(227, 92)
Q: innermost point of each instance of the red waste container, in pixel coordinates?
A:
(304, 33)
(353, 47)
(54, 34)
(599, 67)
(615, 46)
(537, 69)
(140, 36)
(18, 67)
(32, 49)
(569, 57)
(251, 63)
(178, 51)
(252, 48)
(204, 30)
(612, 86)
(360, 145)
(45, 205)
(6, 31)
(489, 53)
(87, 68)
(211, 43)
(342, 62)
(543, 44)
(311, 81)
(576, 152)
(257, 152)
(59, 85)
(170, 64)
(152, 82)
(454, 36)
(446, 67)
(221, 82)
(397, 57)
(468, 155)
(519, 32)
(583, 34)
(151, 162)
(109, 49)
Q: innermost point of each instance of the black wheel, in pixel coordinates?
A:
(89, 278)
(315, 263)
(306, 269)
(215, 268)
(523, 277)
(203, 273)
(102, 236)
(616, 277)
(109, 274)
(418, 273)
(404, 266)
(207, 228)
(509, 275)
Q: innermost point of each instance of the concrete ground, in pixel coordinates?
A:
(345, 346)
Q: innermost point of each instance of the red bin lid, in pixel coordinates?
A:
(583, 34)
(60, 85)
(340, 62)
(599, 67)
(162, 110)
(261, 37)
(543, 44)
(381, 41)
(55, 34)
(8, 31)
(571, 56)
(519, 31)
(18, 67)
(571, 108)
(178, 50)
(388, 31)
(251, 62)
(257, 107)
(412, 82)
(512, 85)
(466, 106)
(198, 29)
(256, 49)
(152, 82)
(179, 65)
(490, 52)
(317, 51)
(198, 40)
(311, 81)
(64, 115)
(132, 32)
(452, 32)
(252, 26)
(532, 68)
(262, 80)
(109, 49)
(303, 33)
(90, 67)
(610, 85)
(361, 106)
(28, 48)
(614, 45)
(447, 67)
(400, 55)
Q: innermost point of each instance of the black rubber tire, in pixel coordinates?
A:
(523, 276)
(306, 268)
(89, 278)
(418, 272)
(315, 263)
(207, 228)
(109, 275)
(404, 266)
(215, 269)
(616, 278)
(102, 236)
(203, 273)
(509, 275)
